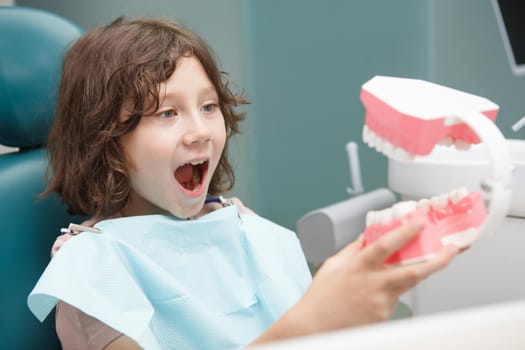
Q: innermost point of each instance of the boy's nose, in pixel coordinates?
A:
(197, 131)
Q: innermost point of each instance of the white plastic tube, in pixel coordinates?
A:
(355, 169)
(519, 124)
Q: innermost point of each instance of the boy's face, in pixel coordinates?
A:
(172, 154)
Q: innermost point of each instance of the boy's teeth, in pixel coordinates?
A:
(197, 162)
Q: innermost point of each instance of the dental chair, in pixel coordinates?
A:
(32, 43)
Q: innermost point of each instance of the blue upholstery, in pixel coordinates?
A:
(32, 43)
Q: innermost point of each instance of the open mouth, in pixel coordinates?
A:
(191, 175)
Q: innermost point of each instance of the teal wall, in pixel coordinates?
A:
(309, 60)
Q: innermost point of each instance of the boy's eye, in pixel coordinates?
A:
(210, 107)
(170, 113)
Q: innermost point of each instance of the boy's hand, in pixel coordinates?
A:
(59, 242)
(354, 287)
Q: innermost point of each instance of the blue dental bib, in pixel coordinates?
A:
(212, 283)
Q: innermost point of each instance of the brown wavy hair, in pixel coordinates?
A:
(123, 61)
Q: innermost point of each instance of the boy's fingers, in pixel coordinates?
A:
(353, 247)
(241, 207)
(59, 242)
(438, 262)
(406, 277)
(376, 253)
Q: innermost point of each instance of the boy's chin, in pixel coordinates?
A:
(190, 210)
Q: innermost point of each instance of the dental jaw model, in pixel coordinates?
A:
(406, 118)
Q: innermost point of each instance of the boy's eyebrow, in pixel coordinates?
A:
(209, 90)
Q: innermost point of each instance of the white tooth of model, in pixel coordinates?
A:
(447, 141)
(462, 145)
(402, 208)
(424, 204)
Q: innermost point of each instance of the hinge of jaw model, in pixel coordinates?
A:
(406, 118)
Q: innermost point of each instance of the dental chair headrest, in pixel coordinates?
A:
(32, 44)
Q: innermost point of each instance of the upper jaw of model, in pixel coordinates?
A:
(388, 149)
(406, 118)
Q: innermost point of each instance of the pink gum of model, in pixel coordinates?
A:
(453, 219)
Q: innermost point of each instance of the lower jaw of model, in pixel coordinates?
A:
(452, 218)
